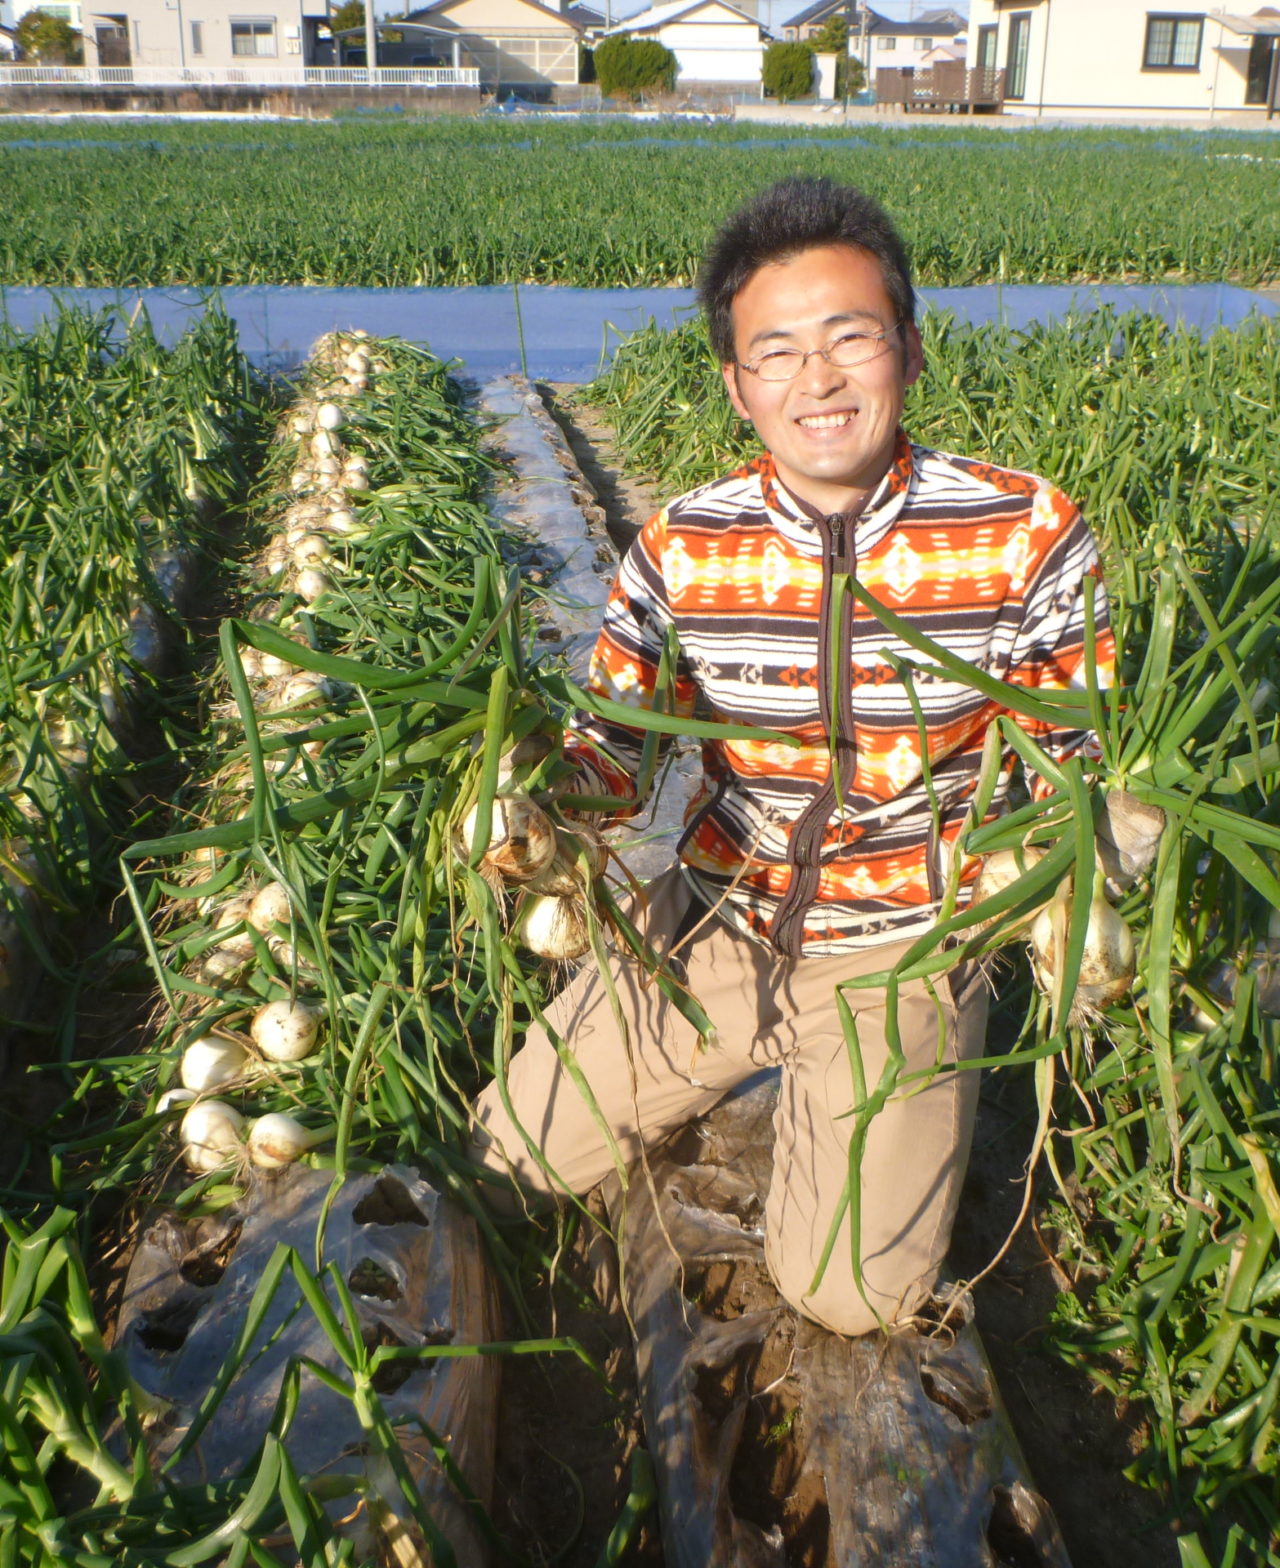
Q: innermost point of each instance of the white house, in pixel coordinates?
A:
(1140, 57)
(713, 41)
(192, 34)
(512, 43)
(889, 44)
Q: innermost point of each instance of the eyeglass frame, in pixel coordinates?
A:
(806, 354)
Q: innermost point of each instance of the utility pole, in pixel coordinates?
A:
(370, 40)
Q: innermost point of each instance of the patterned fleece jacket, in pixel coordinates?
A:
(835, 843)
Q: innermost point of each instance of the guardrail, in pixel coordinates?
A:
(237, 76)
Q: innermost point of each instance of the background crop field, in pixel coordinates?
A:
(594, 203)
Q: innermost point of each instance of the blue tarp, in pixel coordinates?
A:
(562, 334)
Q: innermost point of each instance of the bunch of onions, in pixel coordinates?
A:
(1107, 964)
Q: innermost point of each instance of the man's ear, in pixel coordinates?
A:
(915, 354)
(730, 373)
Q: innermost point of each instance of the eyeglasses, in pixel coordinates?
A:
(849, 349)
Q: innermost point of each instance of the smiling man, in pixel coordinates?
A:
(804, 866)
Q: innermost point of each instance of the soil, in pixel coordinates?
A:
(628, 503)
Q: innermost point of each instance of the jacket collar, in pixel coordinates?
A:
(796, 519)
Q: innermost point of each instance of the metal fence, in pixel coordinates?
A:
(237, 76)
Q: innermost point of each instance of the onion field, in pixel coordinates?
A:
(276, 685)
(452, 202)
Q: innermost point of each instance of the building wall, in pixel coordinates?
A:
(708, 50)
(1089, 55)
(200, 32)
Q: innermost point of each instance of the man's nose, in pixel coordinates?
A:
(818, 374)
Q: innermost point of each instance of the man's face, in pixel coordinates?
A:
(831, 430)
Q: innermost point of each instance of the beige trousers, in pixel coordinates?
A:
(767, 1012)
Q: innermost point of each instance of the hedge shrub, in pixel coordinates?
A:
(627, 67)
(788, 71)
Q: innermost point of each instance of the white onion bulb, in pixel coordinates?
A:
(210, 1062)
(277, 1140)
(522, 839)
(211, 1135)
(311, 550)
(329, 416)
(310, 583)
(554, 928)
(285, 1031)
(1107, 964)
(269, 907)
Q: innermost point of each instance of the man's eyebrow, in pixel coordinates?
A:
(829, 323)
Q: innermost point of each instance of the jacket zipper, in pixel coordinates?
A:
(804, 849)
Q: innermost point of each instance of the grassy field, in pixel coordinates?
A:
(472, 201)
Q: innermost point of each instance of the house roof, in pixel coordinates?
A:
(1264, 23)
(442, 6)
(660, 15)
(585, 16)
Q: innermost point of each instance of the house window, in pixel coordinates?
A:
(986, 57)
(197, 38)
(920, 44)
(1015, 65)
(1173, 43)
(253, 36)
(886, 43)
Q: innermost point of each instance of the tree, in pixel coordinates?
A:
(49, 39)
(788, 71)
(627, 67)
(349, 14)
(833, 38)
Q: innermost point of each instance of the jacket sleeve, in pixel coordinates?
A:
(625, 668)
(1049, 651)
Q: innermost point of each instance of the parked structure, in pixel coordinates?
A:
(1159, 57)
(715, 43)
(513, 44)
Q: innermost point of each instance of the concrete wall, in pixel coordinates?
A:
(1088, 54)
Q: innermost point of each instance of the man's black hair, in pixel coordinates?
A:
(797, 214)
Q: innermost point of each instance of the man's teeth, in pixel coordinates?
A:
(823, 421)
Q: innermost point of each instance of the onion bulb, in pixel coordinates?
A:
(269, 907)
(305, 686)
(355, 478)
(210, 1062)
(171, 1099)
(329, 416)
(310, 550)
(564, 876)
(554, 927)
(211, 1135)
(1107, 964)
(277, 1140)
(522, 840)
(1000, 870)
(285, 1031)
(310, 583)
(275, 668)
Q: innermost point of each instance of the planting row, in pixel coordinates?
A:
(114, 455)
(449, 202)
(333, 933)
(1165, 1149)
